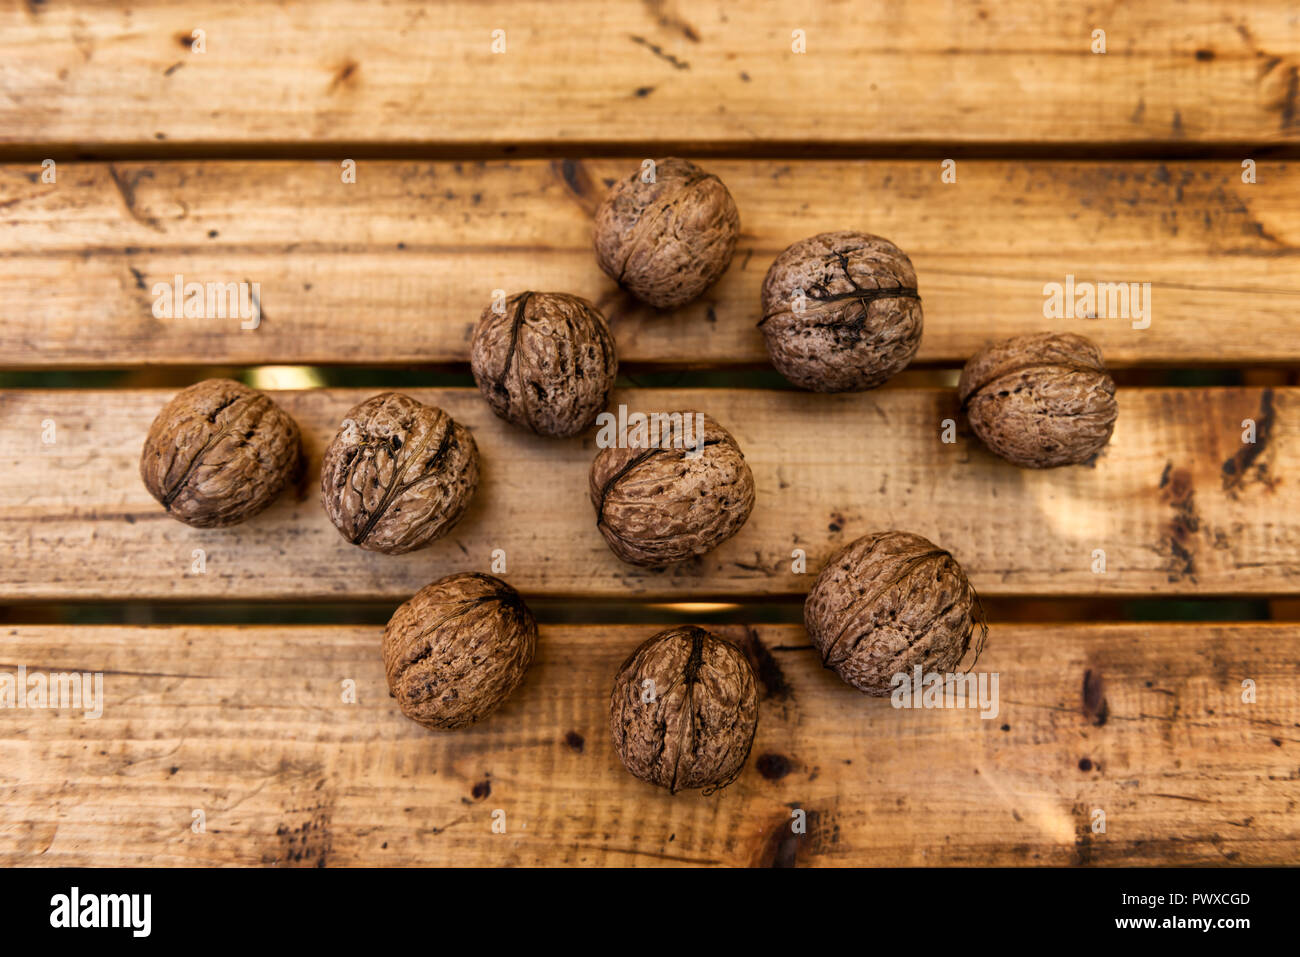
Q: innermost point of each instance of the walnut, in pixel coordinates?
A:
(1040, 401)
(219, 453)
(398, 474)
(456, 650)
(684, 710)
(546, 362)
(888, 602)
(668, 240)
(680, 488)
(841, 312)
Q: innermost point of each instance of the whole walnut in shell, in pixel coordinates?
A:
(545, 362)
(668, 240)
(679, 488)
(841, 312)
(888, 602)
(398, 475)
(684, 710)
(219, 453)
(457, 650)
(1040, 401)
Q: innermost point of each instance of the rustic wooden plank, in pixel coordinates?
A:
(396, 268)
(1177, 502)
(247, 724)
(401, 72)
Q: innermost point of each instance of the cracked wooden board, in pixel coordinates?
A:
(1177, 503)
(396, 268)
(1015, 72)
(1144, 722)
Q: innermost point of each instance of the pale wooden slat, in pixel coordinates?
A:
(397, 267)
(76, 521)
(404, 71)
(248, 725)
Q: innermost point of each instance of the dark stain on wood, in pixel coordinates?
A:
(1289, 101)
(1205, 55)
(345, 74)
(669, 19)
(126, 189)
(482, 790)
(575, 741)
(1181, 530)
(1095, 707)
(773, 766)
(1236, 470)
(1085, 764)
(661, 53)
(1083, 851)
(782, 846)
(308, 845)
(1221, 206)
(577, 179)
(643, 91)
(173, 68)
(769, 673)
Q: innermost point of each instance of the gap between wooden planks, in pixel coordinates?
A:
(1017, 71)
(1177, 502)
(397, 268)
(1145, 723)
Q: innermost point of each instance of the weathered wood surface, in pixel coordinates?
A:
(1177, 502)
(403, 71)
(1145, 723)
(396, 268)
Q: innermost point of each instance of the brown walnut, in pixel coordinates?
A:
(1041, 400)
(684, 710)
(456, 650)
(667, 241)
(841, 312)
(546, 362)
(219, 453)
(677, 490)
(398, 474)
(888, 602)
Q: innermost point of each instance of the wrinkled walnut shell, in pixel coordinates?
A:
(456, 650)
(546, 362)
(666, 242)
(888, 602)
(666, 501)
(841, 312)
(697, 727)
(219, 453)
(1041, 400)
(398, 474)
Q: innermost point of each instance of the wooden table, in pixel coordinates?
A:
(219, 156)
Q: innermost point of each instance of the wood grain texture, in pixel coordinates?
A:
(397, 268)
(1143, 722)
(1177, 502)
(401, 71)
